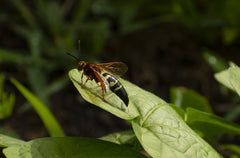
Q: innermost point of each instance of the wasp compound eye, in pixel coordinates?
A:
(81, 65)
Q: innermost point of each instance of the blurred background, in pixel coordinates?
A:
(164, 43)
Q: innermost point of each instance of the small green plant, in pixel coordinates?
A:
(7, 101)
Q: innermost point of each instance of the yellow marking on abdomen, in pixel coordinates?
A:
(116, 89)
(111, 84)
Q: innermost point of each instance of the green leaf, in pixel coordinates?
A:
(216, 62)
(232, 147)
(234, 156)
(159, 129)
(229, 35)
(184, 98)
(164, 134)
(47, 117)
(7, 101)
(70, 147)
(230, 78)
(210, 124)
(234, 76)
(179, 110)
(6, 141)
(126, 137)
(223, 78)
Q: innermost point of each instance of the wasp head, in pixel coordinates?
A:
(81, 65)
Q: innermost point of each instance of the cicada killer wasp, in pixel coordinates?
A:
(106, 74)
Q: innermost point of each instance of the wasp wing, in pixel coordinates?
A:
(114, 68)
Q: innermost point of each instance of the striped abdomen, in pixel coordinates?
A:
(117, 88)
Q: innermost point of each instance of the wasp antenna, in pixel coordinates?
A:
(79, 47)
(72, 56)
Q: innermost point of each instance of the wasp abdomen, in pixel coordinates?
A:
(117, 88)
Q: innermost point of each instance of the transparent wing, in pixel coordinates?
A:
(114, 68)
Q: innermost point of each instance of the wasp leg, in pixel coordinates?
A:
(99, 78)
(81, 80)
(82, 85)
(103, 89)
(102, 85)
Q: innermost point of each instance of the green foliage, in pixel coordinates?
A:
(7, 101)
(156, 125)
(217, 63)
(47, 117)
(50, 28)
(6, 141)
(209, 124)
(230, 34)
(65, 147)
(231, 147)
(220, 66)
(48, 32)
(217, 19)
(230, 78)
(199, 116)
(126, 137)
(185, 98)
